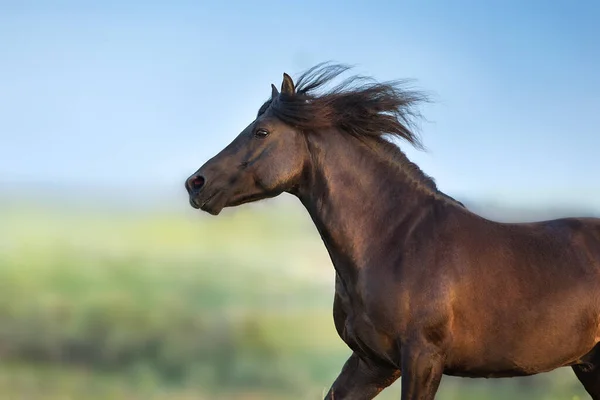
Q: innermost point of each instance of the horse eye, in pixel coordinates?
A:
(261, 133)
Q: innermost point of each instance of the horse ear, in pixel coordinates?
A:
(274, 91)
(287, 86)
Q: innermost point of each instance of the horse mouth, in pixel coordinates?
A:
(214, 203)
(209, 205)
(197, 203)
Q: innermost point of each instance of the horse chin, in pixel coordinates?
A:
(214, 205)
(212, 210)
(217, 203)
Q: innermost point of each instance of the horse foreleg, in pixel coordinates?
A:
(422, 369)
(589, 376)
(360, 380)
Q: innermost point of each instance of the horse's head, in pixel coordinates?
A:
(264, 160)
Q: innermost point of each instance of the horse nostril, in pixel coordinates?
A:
(195, 183)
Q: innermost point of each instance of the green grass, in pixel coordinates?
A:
(181, 306)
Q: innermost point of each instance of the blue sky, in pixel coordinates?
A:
(140, 94)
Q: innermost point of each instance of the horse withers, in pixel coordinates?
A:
(424, 287)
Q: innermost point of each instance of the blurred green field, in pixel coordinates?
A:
(167, 305)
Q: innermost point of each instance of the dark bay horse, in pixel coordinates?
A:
(424, 287)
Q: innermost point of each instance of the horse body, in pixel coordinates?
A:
(497, 305)
(424, 287)
(538, 311)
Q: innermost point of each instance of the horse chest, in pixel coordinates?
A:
(358, 331)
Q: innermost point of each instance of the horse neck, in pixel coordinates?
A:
(360, 201)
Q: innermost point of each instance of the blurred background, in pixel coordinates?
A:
(112, 287)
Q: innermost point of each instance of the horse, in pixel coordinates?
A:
(424, 287)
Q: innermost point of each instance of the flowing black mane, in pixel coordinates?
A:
(358, 106)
